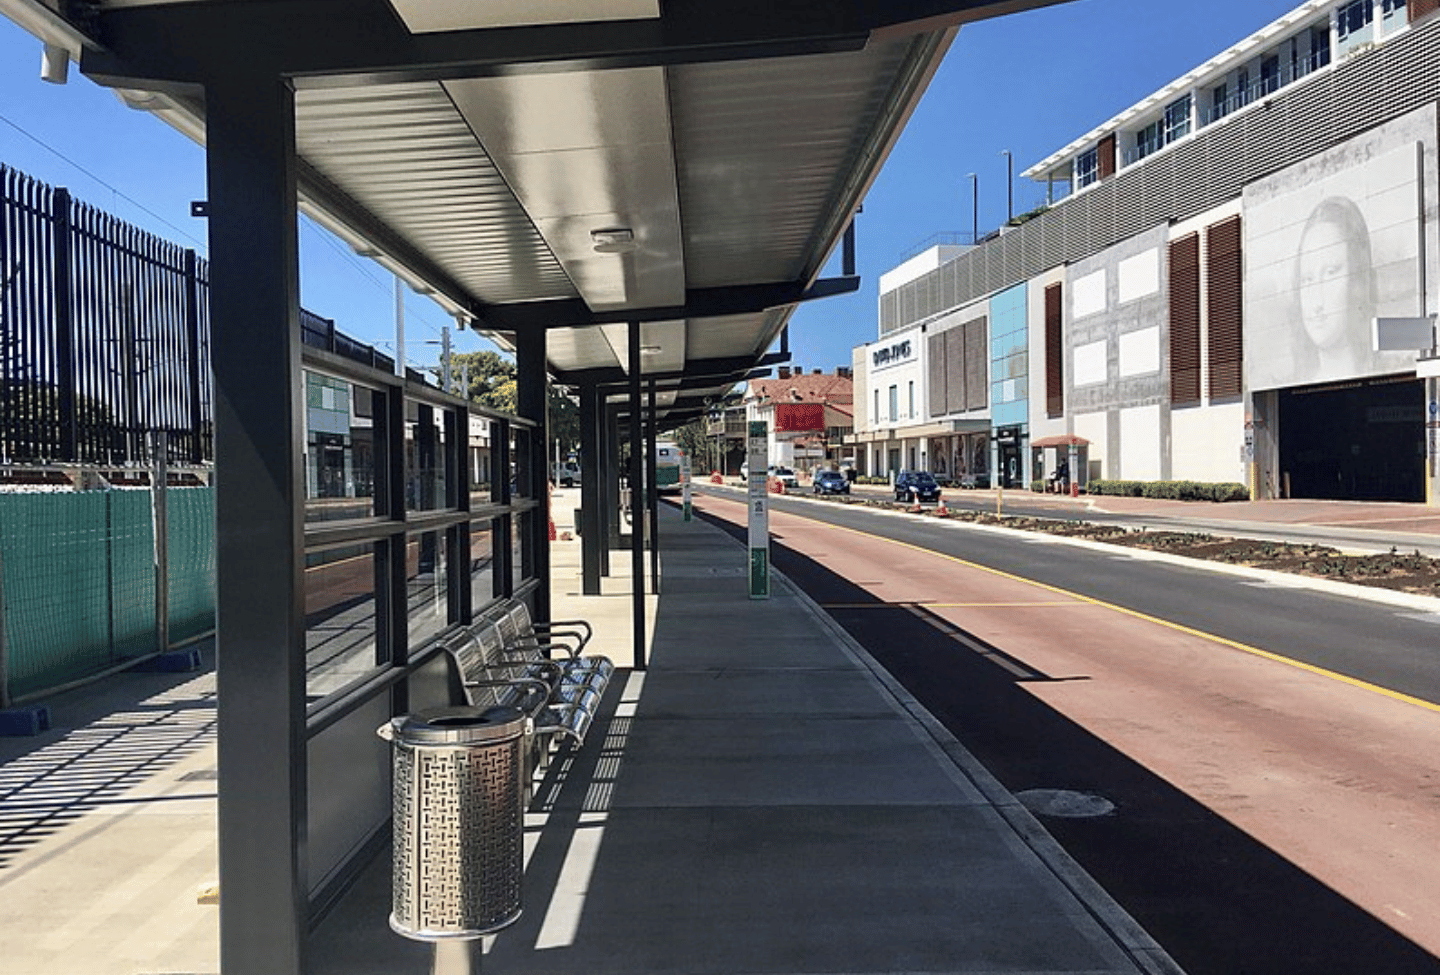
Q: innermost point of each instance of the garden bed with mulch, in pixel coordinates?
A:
(1413, 573)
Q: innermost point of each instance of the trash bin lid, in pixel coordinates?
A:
(459, 725)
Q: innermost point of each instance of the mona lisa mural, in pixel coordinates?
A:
(1330, 244)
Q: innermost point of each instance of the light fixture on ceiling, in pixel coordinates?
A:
(650, 350)
(54, 64)
(613, 240)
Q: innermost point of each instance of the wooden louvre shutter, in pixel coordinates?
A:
(936, 371)
(977, 357)
(955, 370)
(1226, 300)
(1106, 156)
(1185, 320)
(1054, 352)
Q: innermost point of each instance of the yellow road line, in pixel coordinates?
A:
(1178, 627)
(928, 605)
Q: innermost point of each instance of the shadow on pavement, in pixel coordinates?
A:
(1217, 900)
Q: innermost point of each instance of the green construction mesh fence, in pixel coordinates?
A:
(191, 514)
(79, 580)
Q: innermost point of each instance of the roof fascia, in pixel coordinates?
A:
(369, 43)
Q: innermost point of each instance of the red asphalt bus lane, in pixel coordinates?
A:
(1340, 778)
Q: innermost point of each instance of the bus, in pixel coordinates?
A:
(668, 457)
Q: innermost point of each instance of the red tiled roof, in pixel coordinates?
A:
(811, 388)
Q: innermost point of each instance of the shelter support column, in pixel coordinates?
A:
(591, 492)
(652, 491)
(531, 405)
(259, 513)
(637, 501)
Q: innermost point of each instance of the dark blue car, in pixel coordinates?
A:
(831, 482)
(916, 486)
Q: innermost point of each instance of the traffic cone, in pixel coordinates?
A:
(941, 510)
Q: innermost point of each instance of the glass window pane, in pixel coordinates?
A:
(339, 449)
(340, 643)
(482, 564)
(426, 586)
(519, 563)
(425, 458)
(519, 463)
(479, 460)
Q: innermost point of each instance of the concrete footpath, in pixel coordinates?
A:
(762, 800)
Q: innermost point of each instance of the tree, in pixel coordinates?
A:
(493, 384)
(694, 440)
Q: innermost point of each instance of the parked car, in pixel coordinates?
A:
(831, 482)
(916, 485)
(785, 476)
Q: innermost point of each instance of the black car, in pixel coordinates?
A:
(916, 486)
(831, 482)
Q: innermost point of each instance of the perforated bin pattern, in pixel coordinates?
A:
(458, 839)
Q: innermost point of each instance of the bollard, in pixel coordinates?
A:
(458, 801)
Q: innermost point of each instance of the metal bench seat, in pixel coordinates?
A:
(489, 676)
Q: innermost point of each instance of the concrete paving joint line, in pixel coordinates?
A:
(1147, 954)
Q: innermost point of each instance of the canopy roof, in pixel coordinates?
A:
(686, 165)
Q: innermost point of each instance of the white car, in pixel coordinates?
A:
(565, 473)
(785, 476)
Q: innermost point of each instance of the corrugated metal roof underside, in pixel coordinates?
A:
(404, 153)
(763, 149)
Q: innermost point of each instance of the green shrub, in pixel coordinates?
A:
(1171, 490)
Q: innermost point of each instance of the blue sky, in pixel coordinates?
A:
(1029, 83)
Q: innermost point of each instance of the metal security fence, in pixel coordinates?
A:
(78, 577)
(104, 335)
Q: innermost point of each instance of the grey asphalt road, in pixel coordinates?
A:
(1394, 647)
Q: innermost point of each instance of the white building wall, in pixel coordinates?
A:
(1140, 435)
(1205, 444)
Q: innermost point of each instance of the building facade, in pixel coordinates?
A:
(1201, 303)
(807, 416)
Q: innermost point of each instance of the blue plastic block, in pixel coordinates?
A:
(173, 662)
(18, 722)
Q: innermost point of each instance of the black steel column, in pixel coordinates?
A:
(64, 328)
(591, 492)
(504, 552)
(530, 401)
(259, 514)
(612, 478)
(652, 492)
(637, 497)
(194, 365)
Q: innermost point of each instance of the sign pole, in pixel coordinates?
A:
(757, 454)
(685, 487)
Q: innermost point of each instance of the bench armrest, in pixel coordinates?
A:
(526, 686)
(580, 628)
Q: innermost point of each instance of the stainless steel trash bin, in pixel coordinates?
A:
(459, 829)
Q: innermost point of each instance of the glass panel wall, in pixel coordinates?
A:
(340, 621)
(339, 448)
(482, 564)
(427, 602)
(426, 458)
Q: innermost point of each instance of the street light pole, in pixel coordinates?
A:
(1009, 185)
(974, 207)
